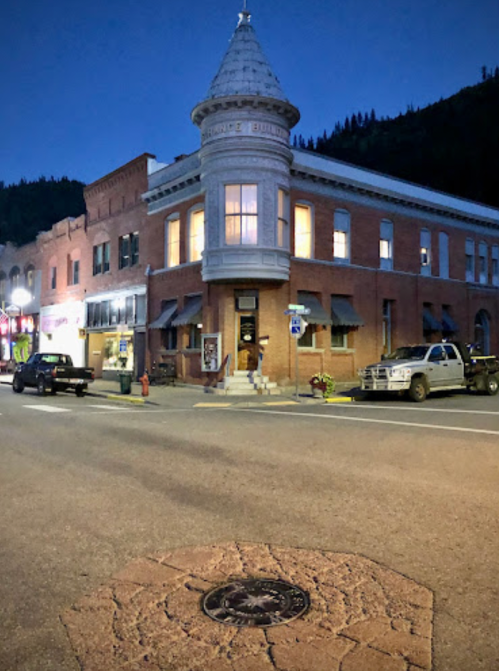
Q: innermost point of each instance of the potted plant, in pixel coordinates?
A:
(323, 385)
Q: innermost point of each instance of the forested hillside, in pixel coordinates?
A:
(452, 145)
(30, 207)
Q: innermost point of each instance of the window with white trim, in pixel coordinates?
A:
(495, 265)
(470, 260)
(303, 231)
(196, 235)
(341, 236)
(482, 263)
(443, 255)
(425, 251)
(386, 245)
(172, 255)
(241, 214)
(282, 218)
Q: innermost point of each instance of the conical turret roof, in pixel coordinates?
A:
(245, 70)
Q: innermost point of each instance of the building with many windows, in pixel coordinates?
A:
(194, 264)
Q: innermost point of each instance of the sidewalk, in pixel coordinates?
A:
(168, 395)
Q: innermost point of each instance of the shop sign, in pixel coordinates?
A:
(211, 351)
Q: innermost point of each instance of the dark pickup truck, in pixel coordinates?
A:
(51, 373)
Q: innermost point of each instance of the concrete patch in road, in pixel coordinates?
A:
(362, 616)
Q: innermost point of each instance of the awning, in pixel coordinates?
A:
(343, 312)
(317, 313)
(429, 321)
(448, 324)
(191, 314)
(165, 318)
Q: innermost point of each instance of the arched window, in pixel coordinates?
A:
(29, 274)
(196, 234)
(3, 287)
(482, 331)
(172, 241)
(15, 278)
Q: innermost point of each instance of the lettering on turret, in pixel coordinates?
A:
(245, 128)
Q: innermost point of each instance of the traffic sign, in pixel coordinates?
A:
(292, 306)
(301, 311)
(297, 326)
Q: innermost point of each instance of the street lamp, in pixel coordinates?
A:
(20, 298)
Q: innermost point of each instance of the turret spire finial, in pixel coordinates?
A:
(244, 16)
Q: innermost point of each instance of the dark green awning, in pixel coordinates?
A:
(448, 324)
(191, 314)
(429, 321)
(165, 318)
(343, 313)
(317, 313)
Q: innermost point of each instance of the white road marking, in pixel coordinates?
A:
(47, 408)
(109, 407)
(342, 418)
(360, 406)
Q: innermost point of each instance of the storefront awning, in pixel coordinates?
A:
(448, 324)
(429, 321)
(165, 318)
(343, 312)
(191, 314)
(317, 313)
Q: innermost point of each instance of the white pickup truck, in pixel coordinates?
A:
(421, 369)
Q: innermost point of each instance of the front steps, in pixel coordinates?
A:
(245, 383)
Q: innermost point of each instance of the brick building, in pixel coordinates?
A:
(379, 262)
(233, 233)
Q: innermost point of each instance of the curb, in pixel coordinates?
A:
(339, 399)
(127, 399)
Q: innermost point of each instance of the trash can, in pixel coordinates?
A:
(125, 383)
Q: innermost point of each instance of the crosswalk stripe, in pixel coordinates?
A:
(109, 407)
(47, 408)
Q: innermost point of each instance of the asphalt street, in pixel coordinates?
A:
(86, 485)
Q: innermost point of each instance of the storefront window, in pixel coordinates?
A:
(118, 351)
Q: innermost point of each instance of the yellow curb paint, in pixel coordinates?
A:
(212, 405)
(339, 399)
(127, 399)
(281, 403)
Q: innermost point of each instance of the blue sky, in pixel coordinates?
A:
(88, 86)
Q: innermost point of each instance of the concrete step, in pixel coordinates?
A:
(238, 392)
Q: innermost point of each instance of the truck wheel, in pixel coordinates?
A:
(80, 391)
(17, 385)
(417, 390)
(492, 385)
(41, 386)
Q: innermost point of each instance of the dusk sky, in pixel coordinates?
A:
(88, 86)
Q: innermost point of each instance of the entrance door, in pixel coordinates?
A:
(247, 348)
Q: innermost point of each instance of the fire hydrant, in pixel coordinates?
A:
(145, 383)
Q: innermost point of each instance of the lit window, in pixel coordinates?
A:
(303, 231)
(340, 245)
(241, 218)
(341, 236)
(196, 235)
(173, 243)
(386, 245)
(425, 251)
(282, 218)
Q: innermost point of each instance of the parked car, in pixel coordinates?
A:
(421, 369)
(51, 373)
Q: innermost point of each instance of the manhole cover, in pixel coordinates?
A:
(255, 603)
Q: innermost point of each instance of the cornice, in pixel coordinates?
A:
(213, 105)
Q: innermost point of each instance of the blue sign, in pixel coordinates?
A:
(296, 326)
(122, 346)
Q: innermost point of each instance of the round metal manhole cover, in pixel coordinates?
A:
(255, 603)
